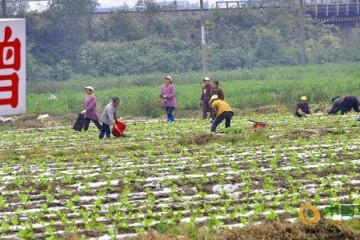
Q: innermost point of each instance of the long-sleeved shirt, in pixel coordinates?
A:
(220, 106)
(344, 104)
(206, 94)
(304, 107)
(170, 99)
(336, 105)
(219, 92)
(108, 116)
(90, 107)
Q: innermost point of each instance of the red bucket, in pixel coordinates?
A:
(122, 128)
(259, 125)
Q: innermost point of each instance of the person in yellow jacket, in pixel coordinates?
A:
(223, 111)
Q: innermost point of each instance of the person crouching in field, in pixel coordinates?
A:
(108, 117)
(302, 108)
(90, 112)
(344, 104)
(223, 111)
(168, 96)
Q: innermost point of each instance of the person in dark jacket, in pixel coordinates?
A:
(215, 90)
(302, 108)
(205, 97)
(344, 104)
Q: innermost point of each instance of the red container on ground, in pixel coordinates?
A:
(259, 125)
(122, 128)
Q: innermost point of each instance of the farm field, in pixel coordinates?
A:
(245, 89)
(54, 181)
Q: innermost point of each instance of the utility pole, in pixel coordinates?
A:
(302, 33)
(3, 8)
(203, 40)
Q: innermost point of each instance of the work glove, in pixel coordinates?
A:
(83, 112)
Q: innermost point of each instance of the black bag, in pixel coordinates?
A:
(79, 124)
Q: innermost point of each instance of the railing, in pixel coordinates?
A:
(317, 8)
(333, 8)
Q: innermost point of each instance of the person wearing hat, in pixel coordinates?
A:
(108, 117)
(223, 111)
(205, 97)
(344, 104)
(215, 90)
(302, 108)
(90, 111)
(168, 96)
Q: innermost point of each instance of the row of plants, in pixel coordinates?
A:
(56, 181)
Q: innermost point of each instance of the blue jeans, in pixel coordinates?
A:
(170, 117)
(225, 115)
(105, 129)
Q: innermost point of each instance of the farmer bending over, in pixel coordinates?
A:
(223, 111)
(108, 117)
(344, 104)
(302, 108)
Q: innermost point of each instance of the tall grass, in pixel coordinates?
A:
(245, 88)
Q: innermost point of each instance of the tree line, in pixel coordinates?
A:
(68, 38)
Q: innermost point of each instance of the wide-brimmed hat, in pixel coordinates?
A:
(213, 98)
(206, 79)
(89, 88)
(304, 98)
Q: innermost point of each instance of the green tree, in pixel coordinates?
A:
(62, 29)
(147, 5)
(14, 7)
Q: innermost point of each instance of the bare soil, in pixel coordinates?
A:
(272, 231)
(31, 121)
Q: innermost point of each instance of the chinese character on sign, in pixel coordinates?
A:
(13, 88)
(10, 53)
(12, 66)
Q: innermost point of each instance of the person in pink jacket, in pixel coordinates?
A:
(90, 112)
(168, 96)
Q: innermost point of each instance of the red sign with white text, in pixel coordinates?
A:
(12, 67)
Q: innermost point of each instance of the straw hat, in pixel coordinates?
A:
(304, 98)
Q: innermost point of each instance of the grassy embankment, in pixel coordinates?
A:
(244, 89)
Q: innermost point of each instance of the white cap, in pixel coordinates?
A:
(206, 79)
(168, 77)
(89, 88)
(213, 98)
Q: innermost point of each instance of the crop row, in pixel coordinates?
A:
(55, 181)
